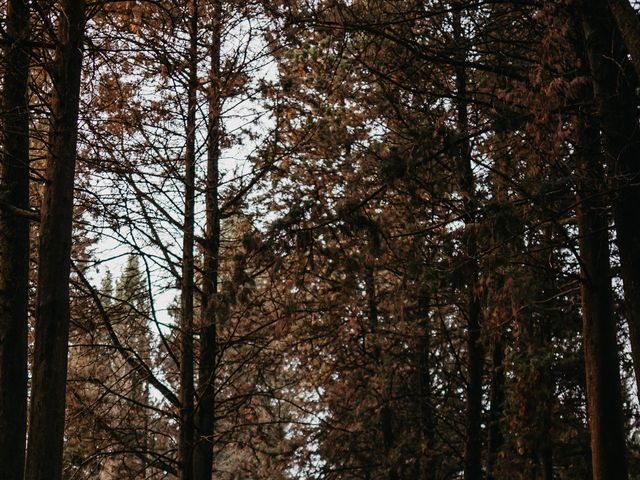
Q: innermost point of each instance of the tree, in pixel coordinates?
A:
(14, 241)
(46, 417)
(205, 413)
(629, 25)
(187, 432)
(399, 236)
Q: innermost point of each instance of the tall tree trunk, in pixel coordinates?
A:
(46, 420)
(427, 430)
(617, 107)
(386, 415)
(475, 361)
(497, 396)
(186, 439)
(475, 350)
(628, 22)
(604, 399)
(14, 243)
(546, 448)
(503, 248)
(544, 338)
(205, 411)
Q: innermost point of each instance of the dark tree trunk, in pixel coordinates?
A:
(497, 396)
(475, 361)
(544, 337)
(604, 399)
(205, 412)
(46, 420)
(546, 449)
(14, 243)
(617, 107)
(473, 313)
(504, 249)
(186, 438)
(546, 385)
(427, 427)
(626, 18)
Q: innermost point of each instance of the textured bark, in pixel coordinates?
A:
(504, 249)
(475, 350)
(544, 338)
(205, 411)
(628, 23)
(46, 420)
(427, 427)
(475, 362)
(604, 398)
(14, 244)
(617, 107)
(546, 453)
(386, 418)
(497, 397)
(186, 437)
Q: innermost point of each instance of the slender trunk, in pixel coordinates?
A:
(14, 243)
(389, 440)
(386, 416)
(372, 306)
(497, 396)
(617, 107)
(475, 350)
(427, 434)
(628, 22)
(546, 448)
(604, 399)
(544, 338)
(186, 439)
(205, 412)
(475, 360)
(503, 248)
(46, 420)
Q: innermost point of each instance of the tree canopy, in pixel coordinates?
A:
(329, 239)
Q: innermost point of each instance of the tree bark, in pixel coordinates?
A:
(504, 249)
(475, 361)
(544, 338)
(604, 398)
(47, 412)
(205, 411)
(427, 430)
(628, 23)
(617, 106)
(14, 243)
(473, 313)
(186, 438)
(497, 397)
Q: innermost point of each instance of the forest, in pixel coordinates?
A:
(319, 239)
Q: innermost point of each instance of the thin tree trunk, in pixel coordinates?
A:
(386, 416)
(186, 439)
(546, 449)
(46, 420)
(604, 399)
(427, 433)
(504, 249)
(14, 243)
(205, 412)
(544, 337)
(475, 350)
(497, 396)
(372, 304)
(475, 360)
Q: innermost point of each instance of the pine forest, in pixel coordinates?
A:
(319, 239)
